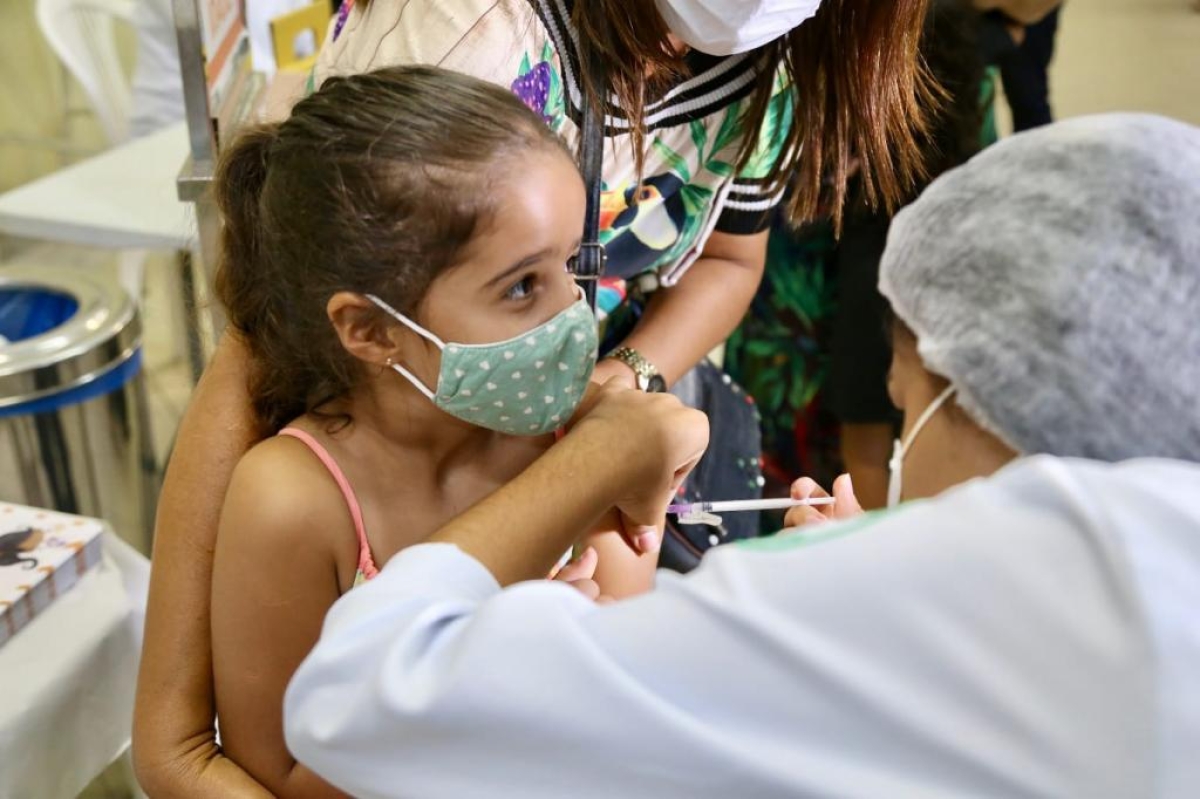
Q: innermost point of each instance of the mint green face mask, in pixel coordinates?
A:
(526, 386)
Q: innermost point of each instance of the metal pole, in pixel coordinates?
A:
(195, 86)
(196, 176)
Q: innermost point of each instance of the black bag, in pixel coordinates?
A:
(731, 467)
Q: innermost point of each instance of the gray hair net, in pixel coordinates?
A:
(1054, 280)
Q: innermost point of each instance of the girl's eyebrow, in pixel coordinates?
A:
(521, 264)
(528, 260)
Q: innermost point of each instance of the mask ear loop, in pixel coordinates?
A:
(895, 474)
(420, 331)
(901, 448)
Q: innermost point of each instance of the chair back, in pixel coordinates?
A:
(82, 34)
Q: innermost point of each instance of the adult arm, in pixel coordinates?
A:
(626, 450)
(926, 652)
(685, 322)
(681, 325)
(174, 740)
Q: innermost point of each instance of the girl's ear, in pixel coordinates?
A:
(362, 329)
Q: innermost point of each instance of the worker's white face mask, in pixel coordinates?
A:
(725, 27)
(901, 448)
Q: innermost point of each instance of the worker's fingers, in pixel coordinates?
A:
(807, 488)
(804, 516)
(588, 588)
(846, 504)
(580, 568)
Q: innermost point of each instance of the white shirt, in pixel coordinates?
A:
(1033, 634)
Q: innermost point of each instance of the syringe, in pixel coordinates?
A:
(705, 512)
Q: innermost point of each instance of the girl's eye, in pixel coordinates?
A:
(520, 290)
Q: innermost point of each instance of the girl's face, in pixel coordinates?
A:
(512, 276)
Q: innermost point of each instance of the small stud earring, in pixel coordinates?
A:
(389, 361)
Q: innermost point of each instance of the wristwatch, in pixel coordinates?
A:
(648, 378)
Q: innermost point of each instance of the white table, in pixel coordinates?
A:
(66, 711)
(123, 198)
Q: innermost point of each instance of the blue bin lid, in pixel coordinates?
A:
(28, 311)
(65, 329)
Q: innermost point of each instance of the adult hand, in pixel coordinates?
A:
(175, 748)
(655, 440)
(580, 574)
(610, 369)
(625, 449)
(845, 504)
(619, 374)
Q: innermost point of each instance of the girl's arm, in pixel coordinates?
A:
(275, 574)
(174, 742)
(620, 571)
(684, 323)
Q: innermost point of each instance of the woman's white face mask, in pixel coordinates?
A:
(725, 27)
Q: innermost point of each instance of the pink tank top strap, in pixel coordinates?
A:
(366, 563)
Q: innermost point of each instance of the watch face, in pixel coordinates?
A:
(656, 385)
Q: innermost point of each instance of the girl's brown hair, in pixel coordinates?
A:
(858, 83)
(373, 185)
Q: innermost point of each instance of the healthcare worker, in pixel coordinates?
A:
(1029, 634)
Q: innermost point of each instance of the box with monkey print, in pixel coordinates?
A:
(42, 555)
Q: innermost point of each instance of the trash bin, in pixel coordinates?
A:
(74, 421)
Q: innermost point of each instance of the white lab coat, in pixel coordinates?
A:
(1034, 634)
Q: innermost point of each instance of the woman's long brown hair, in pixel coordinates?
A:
(860, 90)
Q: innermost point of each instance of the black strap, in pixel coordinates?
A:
(592, 259)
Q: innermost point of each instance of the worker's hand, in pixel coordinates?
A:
(845, 504)
(652, 442)
(580, 574)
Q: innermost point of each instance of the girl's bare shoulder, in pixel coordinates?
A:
(282, 491)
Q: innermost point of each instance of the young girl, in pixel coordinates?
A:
(395, 258)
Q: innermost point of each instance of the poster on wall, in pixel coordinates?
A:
(227, 64)
(218, 18)
(259, 15)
